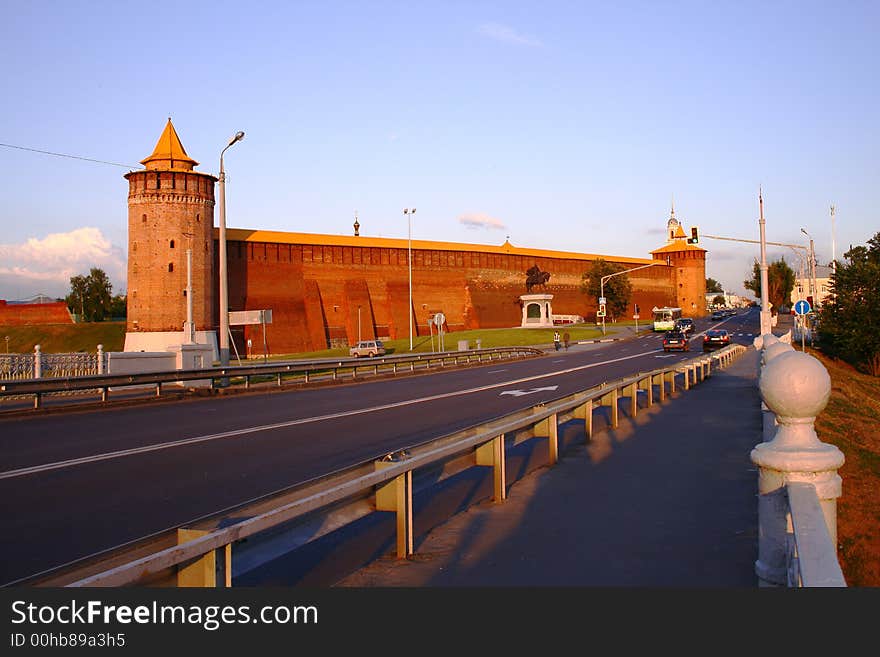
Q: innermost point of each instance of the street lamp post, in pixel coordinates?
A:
(224, 285)
(617, 273)
(409, 212)
(359, 323)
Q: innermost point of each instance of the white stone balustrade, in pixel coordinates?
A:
(795, 387)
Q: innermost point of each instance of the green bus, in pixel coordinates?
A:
(665, 318)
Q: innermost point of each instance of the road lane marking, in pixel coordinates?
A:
(520, 393)
(235, 433)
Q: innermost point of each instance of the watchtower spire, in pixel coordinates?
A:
(169, 152)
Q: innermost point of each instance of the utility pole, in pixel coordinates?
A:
(833, 246)
(765, 300)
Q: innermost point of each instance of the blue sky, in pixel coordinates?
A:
(561, 125)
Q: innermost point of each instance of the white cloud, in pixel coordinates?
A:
(46, 265)
(506, 34)
(481, 220)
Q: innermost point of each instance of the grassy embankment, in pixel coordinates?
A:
(850, 421)
(64, 338)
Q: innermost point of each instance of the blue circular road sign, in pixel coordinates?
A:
(802, 307)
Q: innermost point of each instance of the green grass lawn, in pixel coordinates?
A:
(489, 338)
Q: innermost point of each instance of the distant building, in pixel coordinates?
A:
(730, 300)
(803, 286)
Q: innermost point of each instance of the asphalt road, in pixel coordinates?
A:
(76, 483)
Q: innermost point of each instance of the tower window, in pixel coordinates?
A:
(198, 218)
(170, 267)
(158, 181)
(172, 244)
(144, 218)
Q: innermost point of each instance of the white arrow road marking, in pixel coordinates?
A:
(520, 393)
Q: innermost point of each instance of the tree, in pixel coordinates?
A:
(719, 300)
(76, 298)
(90, 295)
(617, 290)
(118, 307)
(780, 283)
(713, 286)
(848, 317)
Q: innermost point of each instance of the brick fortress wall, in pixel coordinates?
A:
(28, 314)
(314, 290)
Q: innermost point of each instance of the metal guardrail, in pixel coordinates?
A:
(201, 554)
(333, 368)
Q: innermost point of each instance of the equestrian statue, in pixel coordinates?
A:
(534, 276)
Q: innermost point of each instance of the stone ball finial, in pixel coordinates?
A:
(776, 349)
(795, 385)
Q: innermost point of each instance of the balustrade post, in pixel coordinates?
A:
(795, 387)
(100, 359)
(38, 362)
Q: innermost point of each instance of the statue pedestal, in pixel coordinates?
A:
(537, 311)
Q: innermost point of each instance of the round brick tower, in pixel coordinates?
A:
(689, 263)
(170, 211)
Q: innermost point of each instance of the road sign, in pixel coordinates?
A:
(601, 301)
(802, 307)
(635, 316)
(601, 311)
(241, 317)
(439, 319)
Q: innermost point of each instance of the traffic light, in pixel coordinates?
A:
(695, 236)
(636, 308)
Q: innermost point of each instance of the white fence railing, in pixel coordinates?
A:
(16, 367)
(798, 484)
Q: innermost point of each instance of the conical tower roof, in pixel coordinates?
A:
(169, 152)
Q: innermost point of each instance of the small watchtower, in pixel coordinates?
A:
(689, 263)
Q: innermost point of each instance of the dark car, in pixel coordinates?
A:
(719, 314)
(676, 340)
(685, 325)
(715, 338)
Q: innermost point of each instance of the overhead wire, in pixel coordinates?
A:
(75, 157)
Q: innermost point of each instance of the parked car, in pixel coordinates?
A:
(685, 325)
(367, 348)
(715, 338)
(676, 340)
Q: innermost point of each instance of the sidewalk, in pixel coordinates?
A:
(666, 500)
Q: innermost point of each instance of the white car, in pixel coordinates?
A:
(367, 348)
